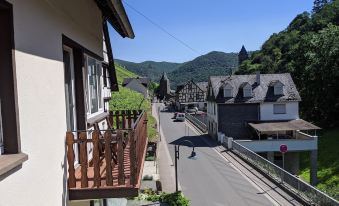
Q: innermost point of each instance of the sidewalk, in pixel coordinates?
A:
(165, 163)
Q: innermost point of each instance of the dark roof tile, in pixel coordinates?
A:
(262, 92)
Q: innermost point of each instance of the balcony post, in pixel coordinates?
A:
(96, 159)
(70, 159)
(83, 159)
(108, 158)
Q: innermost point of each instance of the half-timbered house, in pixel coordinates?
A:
(191, 94)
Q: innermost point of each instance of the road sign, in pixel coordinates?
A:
(283, 148)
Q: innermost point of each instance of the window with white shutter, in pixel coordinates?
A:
(279, 108)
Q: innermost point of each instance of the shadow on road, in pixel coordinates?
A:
(198, 141)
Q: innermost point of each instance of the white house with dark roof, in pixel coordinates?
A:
(261, 111)
(138, 84)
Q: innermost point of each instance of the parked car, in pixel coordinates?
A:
(180, 117)
(192, 110)
(175, 115)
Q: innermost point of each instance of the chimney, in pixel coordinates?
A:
(258, 77)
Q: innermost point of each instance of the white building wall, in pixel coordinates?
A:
(136, 86)
(212, 118)
(292, 111)
(38, 29)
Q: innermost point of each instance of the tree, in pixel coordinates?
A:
(318, 5)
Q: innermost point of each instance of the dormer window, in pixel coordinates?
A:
(247, 89)
(278, 87)
(228, 90)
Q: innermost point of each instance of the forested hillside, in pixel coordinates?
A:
(200, 68)
(150, 69)
(309, 49)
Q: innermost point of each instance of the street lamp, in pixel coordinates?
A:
(176, 154)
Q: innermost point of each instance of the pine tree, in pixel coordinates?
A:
(242, 56)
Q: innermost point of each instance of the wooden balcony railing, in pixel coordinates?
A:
(110, 161)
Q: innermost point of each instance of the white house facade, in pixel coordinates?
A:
(56, 81)
(279, 111)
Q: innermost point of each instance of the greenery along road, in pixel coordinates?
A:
(126, 99)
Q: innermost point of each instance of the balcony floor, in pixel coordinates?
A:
(104, 191)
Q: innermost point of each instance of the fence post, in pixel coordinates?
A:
(229, 143)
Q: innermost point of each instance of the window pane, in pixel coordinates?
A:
(99, 77)
(227, 92)
(279, 109)
(93, 84)
(247, 93)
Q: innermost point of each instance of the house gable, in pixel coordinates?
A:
(190, 92)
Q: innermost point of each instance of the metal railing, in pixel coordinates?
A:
(294, 184)
(196, 122)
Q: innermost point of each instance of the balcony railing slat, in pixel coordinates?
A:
(111, 120)
(70, 159)
(108, 158)
(123, 117)
(132, 158)
(96, 159)
(83, 159)
(121, 172)
(129, 119)
(117, 119)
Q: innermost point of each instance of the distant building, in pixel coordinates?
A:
(243, 55)
(164, 90)
(138, 84)
(191, 94)
(261, 112)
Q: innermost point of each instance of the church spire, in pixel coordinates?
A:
(243, 55)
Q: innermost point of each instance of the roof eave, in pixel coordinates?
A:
(115, 14)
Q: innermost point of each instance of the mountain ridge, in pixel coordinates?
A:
(198, 69)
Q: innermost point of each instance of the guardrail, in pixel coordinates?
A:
(294, 184)
(196, 122)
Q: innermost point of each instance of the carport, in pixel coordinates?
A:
(275, 127)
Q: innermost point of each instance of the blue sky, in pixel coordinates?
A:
(205, 25)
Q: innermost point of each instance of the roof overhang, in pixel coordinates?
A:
(115, 14)
(291, 125)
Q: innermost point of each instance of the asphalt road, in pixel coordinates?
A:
(207, 180)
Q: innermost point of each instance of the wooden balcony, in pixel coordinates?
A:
(110, 161)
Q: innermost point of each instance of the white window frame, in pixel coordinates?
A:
(278, 89)
(247, 91)
(100, 88)
(228, 91)
(281, 110)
